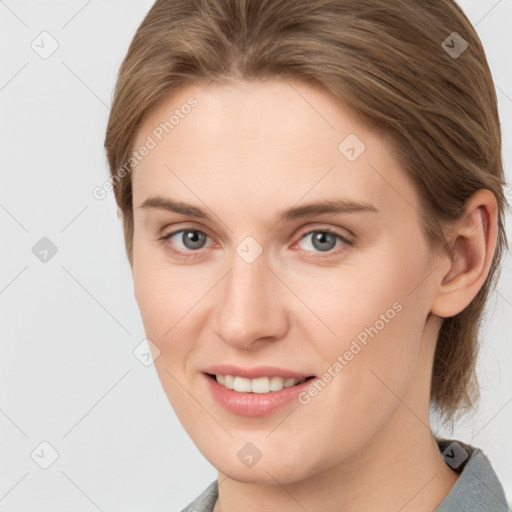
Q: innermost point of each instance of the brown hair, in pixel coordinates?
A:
(388, 61)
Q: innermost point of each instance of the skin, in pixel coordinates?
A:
(243, 154)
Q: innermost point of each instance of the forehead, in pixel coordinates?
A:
(273, 141)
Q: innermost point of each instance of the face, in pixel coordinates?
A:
(274, 229)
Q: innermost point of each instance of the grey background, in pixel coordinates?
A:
(70, 324)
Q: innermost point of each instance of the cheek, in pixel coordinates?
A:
(368, 369)
(148, 290)
(374, 349)
(164, 315)
(157, 294)
(376, 296)
(169, 298)
(157, 287)
(377, 312)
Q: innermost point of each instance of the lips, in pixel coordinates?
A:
(256, 372)
(255, 404)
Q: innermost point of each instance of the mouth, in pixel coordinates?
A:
(258, 396)
(260, 385)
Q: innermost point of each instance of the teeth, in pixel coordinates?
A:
(260, 385)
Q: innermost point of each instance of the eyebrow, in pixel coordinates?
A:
(296, 212)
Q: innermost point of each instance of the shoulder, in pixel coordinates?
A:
(478, 488)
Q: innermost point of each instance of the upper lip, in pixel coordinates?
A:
(256, 372)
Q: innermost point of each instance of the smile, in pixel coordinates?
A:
(259, 385)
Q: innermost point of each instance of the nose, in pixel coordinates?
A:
(251, 305)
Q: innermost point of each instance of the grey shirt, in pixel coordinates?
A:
(477, 489)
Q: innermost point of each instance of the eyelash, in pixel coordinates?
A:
(190, 253)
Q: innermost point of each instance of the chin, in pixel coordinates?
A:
(266, 471)
(262, 475)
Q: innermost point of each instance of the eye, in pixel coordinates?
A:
(323, 240)
(186, 240)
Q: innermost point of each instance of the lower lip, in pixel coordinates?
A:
(254, 404)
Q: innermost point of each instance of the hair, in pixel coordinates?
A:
(384, 60)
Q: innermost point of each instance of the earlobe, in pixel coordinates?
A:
(471, 256)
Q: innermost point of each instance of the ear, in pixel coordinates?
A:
(473, 243)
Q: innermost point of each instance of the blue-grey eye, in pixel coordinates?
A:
(191, 239)
(322, 240)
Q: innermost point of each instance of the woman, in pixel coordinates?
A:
(312, 202)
